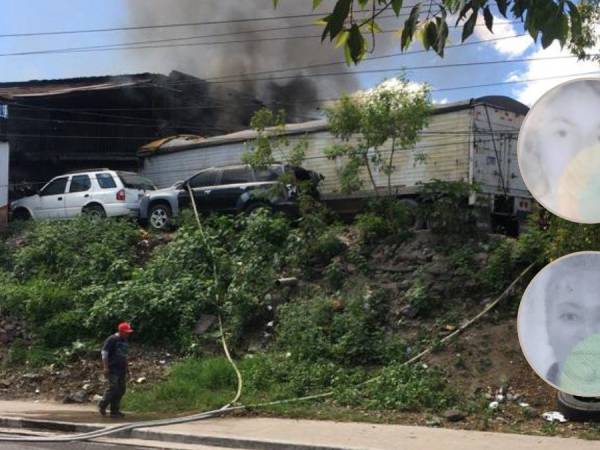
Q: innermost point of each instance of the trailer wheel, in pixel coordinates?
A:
(581, 409)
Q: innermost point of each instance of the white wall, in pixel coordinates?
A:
(4, 154)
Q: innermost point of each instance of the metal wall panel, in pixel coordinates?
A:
(445, 144)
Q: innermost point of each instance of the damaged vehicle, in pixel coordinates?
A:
(229, 189)
(96, 192)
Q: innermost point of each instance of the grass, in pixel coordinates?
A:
(191, 385)
(203, 384)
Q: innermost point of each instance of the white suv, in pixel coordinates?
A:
(98, 192)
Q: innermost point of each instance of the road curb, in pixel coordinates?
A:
(164, 436)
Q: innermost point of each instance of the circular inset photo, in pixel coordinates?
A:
(559, 324)
(559, 150)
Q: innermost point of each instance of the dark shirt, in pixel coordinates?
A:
(116, 349)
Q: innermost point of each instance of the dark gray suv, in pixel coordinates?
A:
(229, 189)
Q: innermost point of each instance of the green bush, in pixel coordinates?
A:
(403, 388)
(444, 207)
(384, 217)
(77, 252)
(347, 331)
(419, 299)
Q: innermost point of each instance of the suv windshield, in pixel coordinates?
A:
(135, 181)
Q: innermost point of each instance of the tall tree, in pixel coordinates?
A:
(374, 125)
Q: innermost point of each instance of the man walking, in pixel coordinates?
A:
(114, 361)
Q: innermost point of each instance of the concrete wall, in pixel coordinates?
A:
(4, 155)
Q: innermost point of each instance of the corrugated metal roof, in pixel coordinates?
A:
(500, 102)
(69, 85)
(173, 141)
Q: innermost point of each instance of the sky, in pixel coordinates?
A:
(206, 61)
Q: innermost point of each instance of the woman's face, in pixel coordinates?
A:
(567, 143)
(572, 312)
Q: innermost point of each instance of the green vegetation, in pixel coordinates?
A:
(70, 282)
(549, 20)
(199, 385)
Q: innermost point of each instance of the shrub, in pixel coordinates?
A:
(78, 252)
(347, 331)
(419, 299)
(384, 217)
(404, 388)
(444, 207)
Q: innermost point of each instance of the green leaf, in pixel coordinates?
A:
(502, 5)
(338, 17)
(356, 44)
(463, 12)
(341, 39)
(362, 3)
(442, 36)
(275, 3)
(469, 26)
(397, 6)
(373, 27)
(316, 4)
(489, 18)
(409, 27)
(430, 35)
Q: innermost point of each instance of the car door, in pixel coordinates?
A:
(202, 185)
(52, 199)
(234, 182)
(78, 194)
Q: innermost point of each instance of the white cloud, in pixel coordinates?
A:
(503, 28)
(441, 101)
(567, 67)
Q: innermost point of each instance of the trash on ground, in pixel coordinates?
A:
(494, 405)
(554, 416)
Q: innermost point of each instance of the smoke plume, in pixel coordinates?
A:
(297, 95)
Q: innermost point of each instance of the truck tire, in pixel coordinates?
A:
(580, 409)
(160, 216)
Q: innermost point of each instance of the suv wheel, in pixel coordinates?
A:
(94, 211)
(256, 207)
(159, 216)
(21, 214)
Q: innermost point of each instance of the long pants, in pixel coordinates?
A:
(113, 395)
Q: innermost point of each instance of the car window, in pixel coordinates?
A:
(135, 181)
(80, 183)
(106, 181)
(265, 175)
(55, 187)
(204, 178)
(237, 175)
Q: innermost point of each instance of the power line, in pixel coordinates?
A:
(397, 69)
(122, 47)
(170, 25)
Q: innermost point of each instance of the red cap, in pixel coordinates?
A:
(125, 328)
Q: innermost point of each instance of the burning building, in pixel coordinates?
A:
(53, 126)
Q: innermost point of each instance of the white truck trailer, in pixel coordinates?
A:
(473, 141)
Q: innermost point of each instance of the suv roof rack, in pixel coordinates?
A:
(101, 169)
